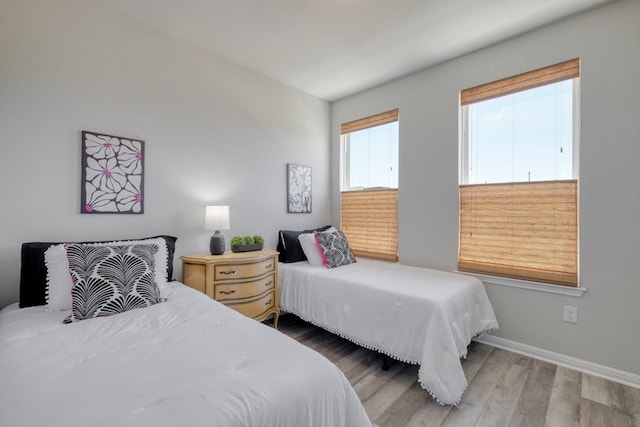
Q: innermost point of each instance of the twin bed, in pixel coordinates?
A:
(187, 360)
(416, 315)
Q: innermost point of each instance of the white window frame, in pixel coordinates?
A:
(463, 176)
(463, 140)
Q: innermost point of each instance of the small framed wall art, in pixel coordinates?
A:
(298, 188)
(112, 174)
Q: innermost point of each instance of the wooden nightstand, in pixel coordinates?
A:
(244, 281)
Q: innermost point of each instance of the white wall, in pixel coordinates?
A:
(607, 40)
(215, 133)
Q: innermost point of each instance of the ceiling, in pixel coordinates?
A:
(335, 48)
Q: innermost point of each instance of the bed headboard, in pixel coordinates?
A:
(33, 271)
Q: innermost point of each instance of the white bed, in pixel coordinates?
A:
(416, 315)
(189, 361)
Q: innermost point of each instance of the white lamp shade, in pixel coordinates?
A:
(216, 218)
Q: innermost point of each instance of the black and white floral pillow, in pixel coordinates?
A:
(335, 249)
(110, 279)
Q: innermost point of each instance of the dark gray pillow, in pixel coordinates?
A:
(289, 246)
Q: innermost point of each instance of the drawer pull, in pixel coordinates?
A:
(268, 302)
(266, 285)
(228, 272)
(267, 267)
(233, 291)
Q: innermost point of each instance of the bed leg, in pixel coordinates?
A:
(385, 363)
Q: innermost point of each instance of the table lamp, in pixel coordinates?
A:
(216, 218)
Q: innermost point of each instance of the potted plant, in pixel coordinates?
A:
(246, 243)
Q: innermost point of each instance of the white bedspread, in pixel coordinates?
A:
(417, 315)
(187, 362)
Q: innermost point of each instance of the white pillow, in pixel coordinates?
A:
(59, 283)
(310, 247)
(58, 291)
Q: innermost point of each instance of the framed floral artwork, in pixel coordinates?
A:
(112, 174)
(298, 189)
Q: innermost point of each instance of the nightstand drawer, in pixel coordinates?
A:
(243, 271)
(229, 291)
(255, 308)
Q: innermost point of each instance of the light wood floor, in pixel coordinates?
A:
(505, 389)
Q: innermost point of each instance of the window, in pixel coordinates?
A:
(369, 197)
(519, 176)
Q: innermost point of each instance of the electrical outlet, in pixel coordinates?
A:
(570, 314)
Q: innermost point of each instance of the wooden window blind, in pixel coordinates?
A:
(543, 76)
(521, 230)
(369, 220)
(369, 122)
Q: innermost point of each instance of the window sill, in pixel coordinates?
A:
(525, 284)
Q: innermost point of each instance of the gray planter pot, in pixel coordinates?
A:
(247, 248)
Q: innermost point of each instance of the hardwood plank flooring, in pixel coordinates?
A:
(564, 404)
(505, 389)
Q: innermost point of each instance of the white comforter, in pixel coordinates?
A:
(417, 315)
(186, 362)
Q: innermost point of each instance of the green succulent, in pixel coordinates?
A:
(246, 240)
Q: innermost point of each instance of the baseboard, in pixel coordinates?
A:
(595, 369)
